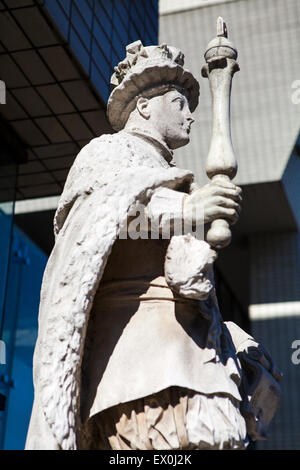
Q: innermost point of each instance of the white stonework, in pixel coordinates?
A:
(172, 6)
(130, 331)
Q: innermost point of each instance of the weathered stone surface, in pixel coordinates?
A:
(129, 325)
(195, 258)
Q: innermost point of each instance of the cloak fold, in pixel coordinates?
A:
(109, 177)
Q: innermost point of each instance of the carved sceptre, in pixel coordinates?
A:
(221, 163)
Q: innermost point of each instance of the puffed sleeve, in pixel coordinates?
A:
(165, 209)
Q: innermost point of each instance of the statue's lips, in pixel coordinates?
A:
(188, 129)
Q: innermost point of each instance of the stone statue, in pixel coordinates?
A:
(132, 352)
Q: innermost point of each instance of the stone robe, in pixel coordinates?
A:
(126, 351)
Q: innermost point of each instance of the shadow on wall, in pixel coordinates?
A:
(279, 335)
(275, 268)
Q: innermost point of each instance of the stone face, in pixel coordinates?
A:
(129, 324)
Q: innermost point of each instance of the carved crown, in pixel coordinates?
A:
(143, 70)
(137, 53)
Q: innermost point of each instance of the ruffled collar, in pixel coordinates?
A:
(155, 140)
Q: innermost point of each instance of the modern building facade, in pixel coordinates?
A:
(262, 265)
(56, 59)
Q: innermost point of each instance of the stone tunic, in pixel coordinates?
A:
(142, 338)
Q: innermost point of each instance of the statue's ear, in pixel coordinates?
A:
(143, 107)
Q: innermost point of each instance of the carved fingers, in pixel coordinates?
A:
(219, 200)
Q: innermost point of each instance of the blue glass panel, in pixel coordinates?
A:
(27, 264)
(107, 5)
(102, 40)
(6, 217)
(148, 40)
(119, 47)
(101, 61)
(100, 82)
(114, 59)
(116, 24)
(85, 10)
(119, 28)
(59, 16)
(136, 32)
(103, 19)
(154, 4)
(122, 7)
(8, 174)
(79, 50)
(153, 33)
(82, 30)
(65, 4)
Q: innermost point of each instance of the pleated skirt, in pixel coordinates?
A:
(172, 419)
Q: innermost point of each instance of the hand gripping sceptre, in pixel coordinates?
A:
(221, 163)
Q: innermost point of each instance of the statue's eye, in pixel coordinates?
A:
(179, 102)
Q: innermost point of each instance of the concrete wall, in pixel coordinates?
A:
(265, 120)
(275, 318)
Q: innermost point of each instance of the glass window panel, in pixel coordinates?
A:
(119, 30)
(114, 59)
(107, 5)
(85, 11)
(140, 8)
(58, 14)
(101, 62)
(119, 47)
(103, 19)
(6, 217)
(80, 50)
(154, 4)
(102, 40)
(8, 173)
(152, 30)
(65, 4)
(122, 9)
(100, 82)
(81, 28)
(148, 40)
(135, 33)
(27, 263)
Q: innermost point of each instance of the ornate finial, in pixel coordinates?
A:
(221, 28)
(220, 47)
(221, 164)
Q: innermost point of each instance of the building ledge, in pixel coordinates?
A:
(167, 7)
